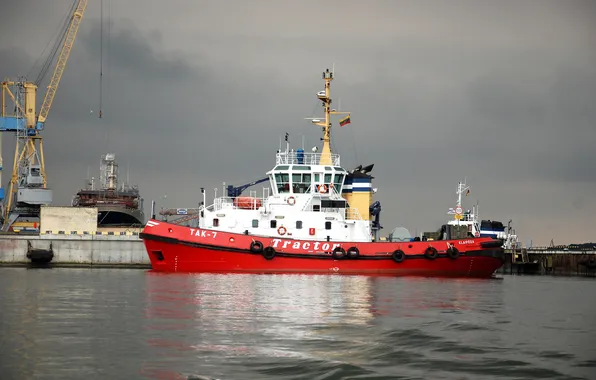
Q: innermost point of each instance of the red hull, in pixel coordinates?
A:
(173, 248)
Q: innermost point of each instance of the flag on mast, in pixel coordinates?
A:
(344, 121)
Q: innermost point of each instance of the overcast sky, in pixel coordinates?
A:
(197, 93)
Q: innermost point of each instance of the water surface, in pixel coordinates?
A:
(135, 324)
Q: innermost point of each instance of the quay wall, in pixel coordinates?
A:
(557, 262)
(101, 249)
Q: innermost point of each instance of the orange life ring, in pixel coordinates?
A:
(291, 201)
(322, 188)
(282, 230)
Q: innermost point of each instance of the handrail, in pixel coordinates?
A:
(293, 158)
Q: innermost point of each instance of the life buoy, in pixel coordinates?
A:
(353, 252)
(322, 188)
(269, 253)
(291, 201)
(398, 255)
(431, 253)
(256, 246)
(452, 252)
(282, 230)
(338, 253)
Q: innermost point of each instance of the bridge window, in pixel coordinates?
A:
(338, 180)
(327, 178)
(300, 182)
(283, 182)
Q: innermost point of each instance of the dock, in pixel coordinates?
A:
(556, 261)
(74, 250)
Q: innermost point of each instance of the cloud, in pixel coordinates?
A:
(499, 93)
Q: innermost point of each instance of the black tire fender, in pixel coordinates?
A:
(256, 246)
(431, 253)
(452, 252)
(269, 253)
(353, 252)
(398, 256)
(338, 253)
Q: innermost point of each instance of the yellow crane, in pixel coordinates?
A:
(28, 184)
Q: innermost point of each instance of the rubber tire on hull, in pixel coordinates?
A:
(353, 252)
(269, 253)
(398, 256)
(338, 253)
(256, 247)
(431, 253)
(452, 252)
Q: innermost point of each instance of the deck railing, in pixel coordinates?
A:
(293, 158)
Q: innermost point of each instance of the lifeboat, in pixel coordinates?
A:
(247, 202)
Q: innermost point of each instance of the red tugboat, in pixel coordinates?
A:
(314, 218)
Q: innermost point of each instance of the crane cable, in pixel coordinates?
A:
(50, 58)
(101, 59)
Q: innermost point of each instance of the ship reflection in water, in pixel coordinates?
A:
(129, 324)
(273, 319)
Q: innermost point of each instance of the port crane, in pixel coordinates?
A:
(28, 185)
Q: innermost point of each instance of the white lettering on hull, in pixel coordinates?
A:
(202, 233)
(304, 245)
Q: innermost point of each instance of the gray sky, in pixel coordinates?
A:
(199, 93)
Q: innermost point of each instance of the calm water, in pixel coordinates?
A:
(133, 324)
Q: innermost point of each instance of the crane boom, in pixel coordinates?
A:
(69, 40)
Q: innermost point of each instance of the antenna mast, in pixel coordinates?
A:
(326, 99)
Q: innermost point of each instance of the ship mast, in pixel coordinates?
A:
(326, 99)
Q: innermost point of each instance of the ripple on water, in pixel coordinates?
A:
(130, 324)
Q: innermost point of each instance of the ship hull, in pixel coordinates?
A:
(118, 216)
(173, 248)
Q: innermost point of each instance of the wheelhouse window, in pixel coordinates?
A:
(283, 182)
(338, 181)
(301, 182)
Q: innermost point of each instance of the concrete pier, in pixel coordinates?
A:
(126, 251)
(549, 261)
